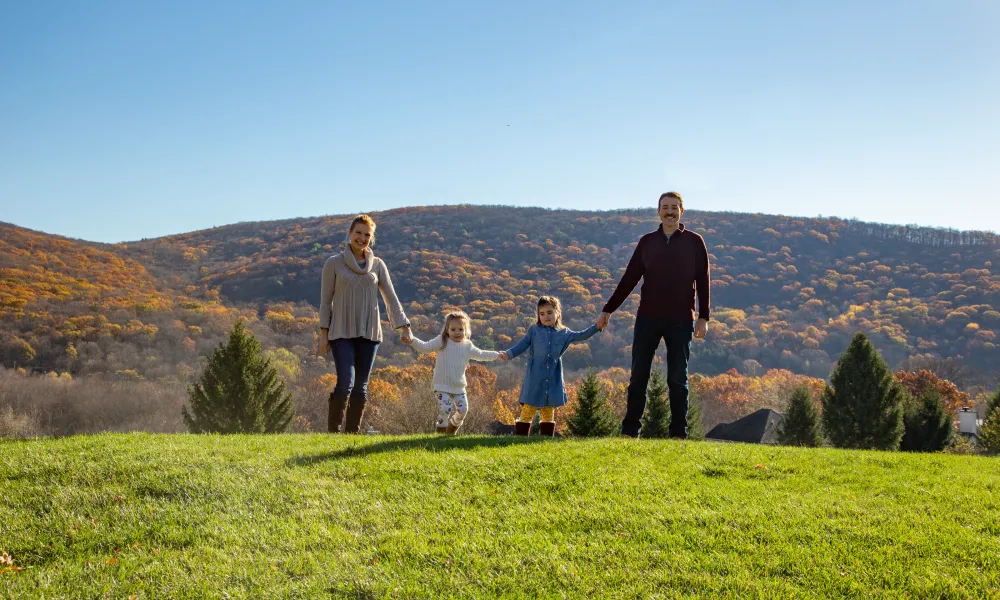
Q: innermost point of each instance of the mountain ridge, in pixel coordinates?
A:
(787, 291)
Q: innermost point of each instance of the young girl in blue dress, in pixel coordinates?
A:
(543, 388)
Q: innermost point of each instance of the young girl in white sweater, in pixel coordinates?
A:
(454, 351)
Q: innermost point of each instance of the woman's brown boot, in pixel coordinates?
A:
(338, 405)
(355, 410)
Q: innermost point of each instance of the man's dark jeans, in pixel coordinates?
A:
(648, 333)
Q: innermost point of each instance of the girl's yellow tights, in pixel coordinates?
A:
(528, 413)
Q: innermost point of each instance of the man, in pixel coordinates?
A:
(672, 263)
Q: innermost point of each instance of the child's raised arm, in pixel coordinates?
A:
(483, 355)
(426, 347)
(521, 346)
(579, 336)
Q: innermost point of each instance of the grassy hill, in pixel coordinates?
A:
(184, 516)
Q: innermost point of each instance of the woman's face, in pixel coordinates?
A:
(547, 315)
(456, 330)
(361, 237)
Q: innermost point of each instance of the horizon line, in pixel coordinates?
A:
(651, 211)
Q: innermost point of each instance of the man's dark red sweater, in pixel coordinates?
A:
(671, 270)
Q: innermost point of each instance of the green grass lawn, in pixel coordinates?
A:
(184, 516)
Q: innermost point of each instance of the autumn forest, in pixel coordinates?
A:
(787, 296)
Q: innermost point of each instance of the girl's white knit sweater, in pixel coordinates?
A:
(451, 361)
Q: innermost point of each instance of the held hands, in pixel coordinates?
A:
(602, 321)
(503, 356)
(405, 335)
(701, 328)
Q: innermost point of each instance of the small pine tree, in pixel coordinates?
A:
(239, 392)
(992, 404)
(696, 430)
(927, 426)
(656, 421)
(863, 406)
(989, 434)
(536, 422)
(593, 416)
(800, 427)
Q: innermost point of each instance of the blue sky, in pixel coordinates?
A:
(124, 120)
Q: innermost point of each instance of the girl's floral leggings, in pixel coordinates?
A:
(451, 408)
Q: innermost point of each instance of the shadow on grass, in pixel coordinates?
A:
(427, 444)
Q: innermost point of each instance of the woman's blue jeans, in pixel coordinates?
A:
(354, 359)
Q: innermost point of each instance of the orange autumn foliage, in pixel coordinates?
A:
(917, 383)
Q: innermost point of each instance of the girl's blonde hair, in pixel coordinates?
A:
(554, 303)
(452, 316)
(367, 221)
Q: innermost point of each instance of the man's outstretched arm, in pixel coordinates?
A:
(633, 273)
(702, 284)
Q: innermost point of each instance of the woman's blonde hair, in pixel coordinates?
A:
(367, 221)
(554, 303)
(452, 316)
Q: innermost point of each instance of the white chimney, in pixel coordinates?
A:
(967, 421)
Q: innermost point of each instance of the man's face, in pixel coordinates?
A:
(670, 211)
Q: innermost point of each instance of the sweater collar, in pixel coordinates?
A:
(352, 262)
(680, 229)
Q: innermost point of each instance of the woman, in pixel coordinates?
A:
(350, 324)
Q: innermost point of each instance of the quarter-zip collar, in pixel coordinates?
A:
(680, 229)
